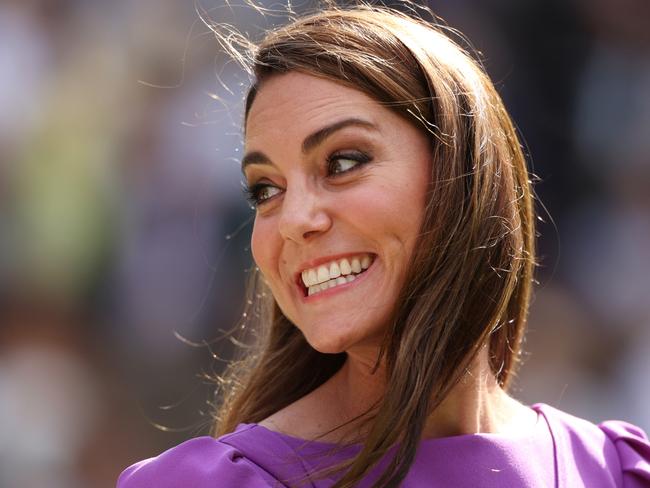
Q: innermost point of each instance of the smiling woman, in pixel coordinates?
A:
(333, 192)
(394, 236)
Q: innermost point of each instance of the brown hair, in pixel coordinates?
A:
(470, 278)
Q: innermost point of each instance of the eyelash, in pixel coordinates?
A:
(361, 158)
(254, 191)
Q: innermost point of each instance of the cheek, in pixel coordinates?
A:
(263, 246)
(266, 253)
(266, 247)
(391, 211)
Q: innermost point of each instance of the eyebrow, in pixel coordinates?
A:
(311, 141)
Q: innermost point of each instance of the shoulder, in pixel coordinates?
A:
(633, 449)
(613, 450)
(242, 459)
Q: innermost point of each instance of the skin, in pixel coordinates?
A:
(316, 206)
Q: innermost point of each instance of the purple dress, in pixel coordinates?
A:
(563, 451)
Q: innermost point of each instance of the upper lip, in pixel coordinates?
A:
(313, 263)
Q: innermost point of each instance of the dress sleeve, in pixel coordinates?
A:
(200, 463)
(633, 450)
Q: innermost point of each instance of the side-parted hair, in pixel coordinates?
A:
(470, 277)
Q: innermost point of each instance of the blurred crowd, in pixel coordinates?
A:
(124, 234)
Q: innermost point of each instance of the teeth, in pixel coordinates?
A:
(328, 275)
(345, 267)
(341, 280)
(312, 278)
(323, 274)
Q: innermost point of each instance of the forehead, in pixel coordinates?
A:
(294, 104)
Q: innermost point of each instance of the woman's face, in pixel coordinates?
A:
(340, 184)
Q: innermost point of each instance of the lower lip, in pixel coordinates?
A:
(338, 288)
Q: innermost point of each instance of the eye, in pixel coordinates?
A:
(259, 193)
(340, 163)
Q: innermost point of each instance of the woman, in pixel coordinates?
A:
(395, 233)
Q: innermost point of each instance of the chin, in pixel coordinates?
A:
(327, 345)
(337, 344)
(337, 335)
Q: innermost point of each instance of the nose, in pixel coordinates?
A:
(304, 215)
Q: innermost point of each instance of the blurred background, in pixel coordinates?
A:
(123, 227)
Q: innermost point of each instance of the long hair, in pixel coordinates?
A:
(470, 276)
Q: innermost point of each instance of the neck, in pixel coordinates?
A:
(476, 404)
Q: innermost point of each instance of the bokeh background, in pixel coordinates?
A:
(123, 228)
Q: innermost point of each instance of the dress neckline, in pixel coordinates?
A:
(492, 437)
